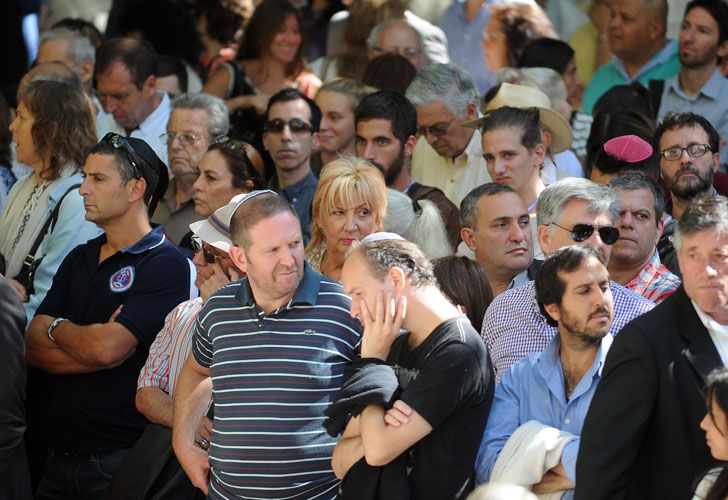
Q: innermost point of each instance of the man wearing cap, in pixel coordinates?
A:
(447, 155)
(571, 211)
(635, 262)
(93, 330)
(197, 120)
(275, 345)
(626, 152)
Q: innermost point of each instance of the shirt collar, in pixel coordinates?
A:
(152, 239)
(519, 279)
(305, 184)
(149, 126)
(709, 323)
(711, 89)
(660, 57)
(549, 360)
(306, 293)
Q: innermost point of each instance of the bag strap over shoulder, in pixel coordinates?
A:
(51, 221)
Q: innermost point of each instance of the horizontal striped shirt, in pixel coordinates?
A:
(513, 326)
(169, 351)
(273, 376)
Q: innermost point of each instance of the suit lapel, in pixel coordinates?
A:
(700, 351)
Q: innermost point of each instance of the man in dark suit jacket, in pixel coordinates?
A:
(641, 437)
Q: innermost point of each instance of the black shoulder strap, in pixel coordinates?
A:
(655, 88)
(51, 221)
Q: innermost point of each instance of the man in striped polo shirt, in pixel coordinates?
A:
(275, 345)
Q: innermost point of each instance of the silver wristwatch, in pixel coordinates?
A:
(53, 325)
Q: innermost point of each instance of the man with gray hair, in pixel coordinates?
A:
(649, 404)
(447, 156)
(570, 211)
(197, 120)
(396, 36)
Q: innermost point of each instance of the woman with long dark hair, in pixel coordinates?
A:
(714, 484)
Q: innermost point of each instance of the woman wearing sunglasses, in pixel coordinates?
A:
(228, 168)
(349, 204)
(43, 218)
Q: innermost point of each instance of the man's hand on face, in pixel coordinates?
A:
(382, 327)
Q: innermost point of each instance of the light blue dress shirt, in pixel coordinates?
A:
(533, 389)
(464, 41)
(711, 102)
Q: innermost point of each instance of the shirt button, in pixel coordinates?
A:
(567, 421)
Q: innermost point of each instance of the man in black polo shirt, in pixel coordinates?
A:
(107, 302)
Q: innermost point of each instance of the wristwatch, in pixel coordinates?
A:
(53, 325)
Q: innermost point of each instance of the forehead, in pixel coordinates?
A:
(213, 160)
(576, 212)
(702, 17)
(683, 136)
(116, 76)
(399, 34)
(589, 269)
(330, 100)
(708, 240)
(100, 164)
(355, 271)
(433, 113)
(57, 49)
(374, 127)
(501, 205)
(278, 229)
(297, 108)
(641, 199)
(188, 119)
(628, 7)
(502, 138)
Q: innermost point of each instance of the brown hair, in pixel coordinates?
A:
(253, 211)
(64, 130)
(267, 19)
(466, 284)
(243, 161)
(521, 23)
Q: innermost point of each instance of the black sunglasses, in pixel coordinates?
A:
(296, 125)
(582, 232)
(120, 142)
(208, 255)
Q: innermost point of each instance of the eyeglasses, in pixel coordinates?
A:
(184, 138)
(209, 256)
(582, 232)
(694, 151)
(120, 142)
(436, 130)
(407, 52)
(296, 125)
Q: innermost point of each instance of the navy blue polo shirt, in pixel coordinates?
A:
(95, 412)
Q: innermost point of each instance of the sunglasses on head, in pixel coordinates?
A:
(296, 125)
(582, 232)
(120, 142)
(208, 255)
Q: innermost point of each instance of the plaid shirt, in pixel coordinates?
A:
(513, 326)
(655, 282)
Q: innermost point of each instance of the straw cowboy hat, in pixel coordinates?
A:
(521, 96)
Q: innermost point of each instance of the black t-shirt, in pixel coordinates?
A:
(95, 412)
(448, 380)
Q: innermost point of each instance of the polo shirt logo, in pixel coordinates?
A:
(122, 279)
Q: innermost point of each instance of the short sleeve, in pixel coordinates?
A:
(455, 374)
(201, 341)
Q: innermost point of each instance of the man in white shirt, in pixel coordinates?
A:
(126, 85)
(448, 155)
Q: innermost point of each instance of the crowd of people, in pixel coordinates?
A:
(336, 250)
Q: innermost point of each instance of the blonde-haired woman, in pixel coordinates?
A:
(349, 204)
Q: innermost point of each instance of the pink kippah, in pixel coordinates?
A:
(629, 148)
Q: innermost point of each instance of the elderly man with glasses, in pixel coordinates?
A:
(196, 121)
(290, 136)
(571, 211)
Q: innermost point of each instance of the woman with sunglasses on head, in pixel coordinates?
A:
(270, 58)
(43, 217)
(349, 204)
(714, 484)
(227, 169)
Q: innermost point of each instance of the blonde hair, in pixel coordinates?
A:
(354, 90)
(342, 182)
(419, 222)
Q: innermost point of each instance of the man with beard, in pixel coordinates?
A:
(688, 146)
(550, 392)
(386, 124)
(699, 87)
